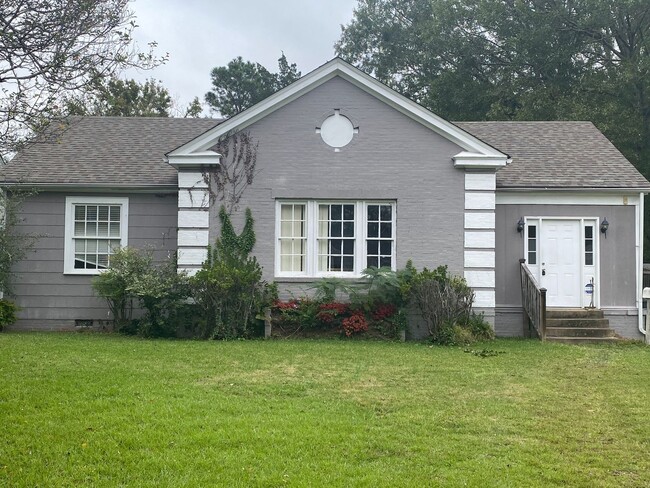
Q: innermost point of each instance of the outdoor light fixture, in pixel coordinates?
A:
(521, 224)
(604, 225)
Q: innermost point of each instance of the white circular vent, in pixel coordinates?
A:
(337, 130)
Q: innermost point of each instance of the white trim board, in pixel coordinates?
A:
(564, 198)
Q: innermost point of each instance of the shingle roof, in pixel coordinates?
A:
(112, 151)
(129, 151)
(557, 155)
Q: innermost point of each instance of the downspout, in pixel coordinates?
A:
(639, 270)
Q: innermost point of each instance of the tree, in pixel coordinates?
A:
(124, 98)
(506, 59)
(242, 84)
(49, 48)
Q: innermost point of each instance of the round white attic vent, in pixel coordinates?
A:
(337, 130)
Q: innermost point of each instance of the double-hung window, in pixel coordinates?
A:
(95, 227)
(334, 238)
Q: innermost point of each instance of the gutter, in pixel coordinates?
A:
(91, 187)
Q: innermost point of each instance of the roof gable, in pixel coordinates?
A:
(476, 152)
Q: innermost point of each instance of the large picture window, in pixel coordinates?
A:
(95, 228)
(334, 238)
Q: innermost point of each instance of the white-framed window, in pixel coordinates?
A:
(94, 228)
(316, 238)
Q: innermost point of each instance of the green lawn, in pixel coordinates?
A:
(105, 410)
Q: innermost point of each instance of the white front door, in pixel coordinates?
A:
(561, 262)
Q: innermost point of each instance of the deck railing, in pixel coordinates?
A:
(533, 300)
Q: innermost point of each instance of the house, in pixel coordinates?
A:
(349, 174)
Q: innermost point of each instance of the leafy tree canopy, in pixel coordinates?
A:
(515, 60)
(241, 84)
(125, 98)
(50, 48)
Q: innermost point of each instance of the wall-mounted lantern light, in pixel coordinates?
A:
(520, 225)
(604, 225)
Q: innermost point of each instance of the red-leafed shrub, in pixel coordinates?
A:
(354, 324)
(383, 312)
(331, 312)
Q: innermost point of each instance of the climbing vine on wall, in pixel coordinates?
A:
(236, 171)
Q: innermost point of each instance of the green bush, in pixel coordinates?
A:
(441, 298)
(229, 288)
(8, 311)
(159, 290)
(114, 284)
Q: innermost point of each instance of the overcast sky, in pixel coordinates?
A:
(202, 34)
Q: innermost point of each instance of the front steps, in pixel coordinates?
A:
(578, 326)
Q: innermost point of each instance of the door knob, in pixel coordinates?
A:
(543, 272)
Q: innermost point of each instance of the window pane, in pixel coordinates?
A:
(91, 229)
(589, 232)
(348, 229)
(372, 261)
(532, 257)
(114, 229)
(386, 229)
(532, 245)
(348, 246)
(532, 231)
(102, 229)
(79, 261)
(348, 263)
(336, 212)
(385, 262)
(373, 229)
(336, 246)
(102, 261)
(79, 229)
(373, 212)
(115, 213)
(386, 212)
(335, 229)
(286, 229)
(589, 246)
(386, 247)
(589, 259)
(348, 212)
(103, 213)
(335, 263)
(91, 246)
(373, 247)
(80, 212)
(91, 212)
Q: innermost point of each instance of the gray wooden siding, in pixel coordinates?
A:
(392, 158)
(617, 262)
(51, 300)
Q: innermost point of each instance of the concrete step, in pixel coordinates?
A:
(569, 332)
(578, 341)
(574, 313)
(598, 323)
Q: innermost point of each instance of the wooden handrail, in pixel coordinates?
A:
(533, 301)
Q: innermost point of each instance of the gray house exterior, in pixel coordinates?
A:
(349, 174)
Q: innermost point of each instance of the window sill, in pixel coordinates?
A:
(311, 279)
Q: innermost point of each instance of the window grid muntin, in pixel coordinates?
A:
(589, 245)
(379, 235)
(532, 244)
(96, 234)
(312, 231)
(336, 247)
(296, 237)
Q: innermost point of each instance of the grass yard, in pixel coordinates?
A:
(105, 410)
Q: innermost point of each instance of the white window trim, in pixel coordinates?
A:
(68, 246)
(360, 230)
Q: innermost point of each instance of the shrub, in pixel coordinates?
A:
(159, 289)
(8, 311)
(441, 298)
(229, 287)
(114, 283)
(354, 324)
